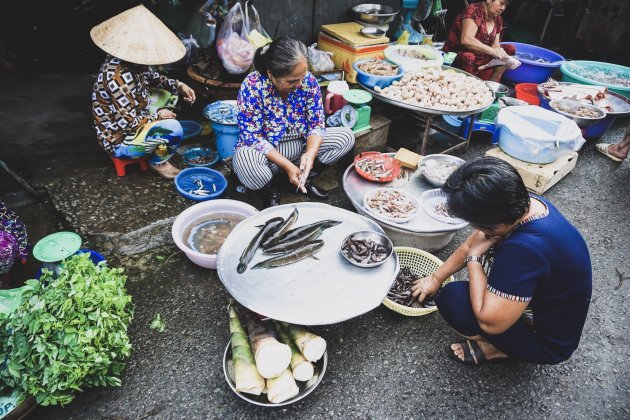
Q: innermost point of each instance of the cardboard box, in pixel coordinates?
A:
(345, 55)
(539, 178)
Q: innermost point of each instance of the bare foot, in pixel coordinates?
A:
(489, 351)
(613, 149)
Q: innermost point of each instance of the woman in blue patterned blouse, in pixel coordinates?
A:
(281, 122)
(529, 271)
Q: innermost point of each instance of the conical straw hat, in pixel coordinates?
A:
(138, 36)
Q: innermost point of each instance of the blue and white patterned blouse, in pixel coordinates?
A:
(264, 117)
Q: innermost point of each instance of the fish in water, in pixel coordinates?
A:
(308, 250)
(285, 226)
(248, 252)
(304, 231)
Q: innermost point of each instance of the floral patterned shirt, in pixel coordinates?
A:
(12, 224)
(263, 116)
(120, 99)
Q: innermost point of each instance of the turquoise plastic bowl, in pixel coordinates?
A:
(371, 81)
(573, 72)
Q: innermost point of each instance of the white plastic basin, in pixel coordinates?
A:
(195, 212)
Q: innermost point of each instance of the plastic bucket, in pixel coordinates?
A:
(226, 137)
(527, 92)
(531, 71)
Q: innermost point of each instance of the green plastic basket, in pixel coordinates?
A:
(421, 264)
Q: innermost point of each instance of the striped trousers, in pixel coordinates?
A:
(255, 171)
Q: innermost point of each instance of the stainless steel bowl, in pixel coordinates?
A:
(560, 105)
(438, 158)
(305, 387)
(372, 32)
(498, 89)
(374, 14)
(376, 237)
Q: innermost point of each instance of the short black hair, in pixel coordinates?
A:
(486, 192)
(280, 57)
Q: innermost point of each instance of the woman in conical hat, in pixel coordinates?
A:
(126, 126)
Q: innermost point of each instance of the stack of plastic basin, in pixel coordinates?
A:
(586, 72)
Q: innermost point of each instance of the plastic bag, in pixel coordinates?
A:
(191, 51)
(256, 34)
(413, 57)
(318, 60)
(536, 135)
(235, 51)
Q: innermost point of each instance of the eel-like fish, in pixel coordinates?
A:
(299, 254)
(285, 226)
(248, 252)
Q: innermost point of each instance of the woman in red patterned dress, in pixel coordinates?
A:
(475, 36)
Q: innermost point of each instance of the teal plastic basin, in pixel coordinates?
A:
(581, 71)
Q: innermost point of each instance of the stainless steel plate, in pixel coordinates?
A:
(309, 292)
(423, 110)
(305, 387)
(355, 188)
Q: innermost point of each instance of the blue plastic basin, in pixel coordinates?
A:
(185, 181)
(191, 129)
(530, 71)
(200, 152)
(371, 80)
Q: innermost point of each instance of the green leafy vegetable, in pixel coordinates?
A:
(68, 332)
(158, 324)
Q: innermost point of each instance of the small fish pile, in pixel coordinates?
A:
(391, 203)
(401, 290)
(376, 167)
(201, 191)
(441, 208)
(363, 251)
(201, 159)
(578, 111)
(276, 237)
(221, 112)
(531, 57)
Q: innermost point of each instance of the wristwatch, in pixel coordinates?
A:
(472, 258)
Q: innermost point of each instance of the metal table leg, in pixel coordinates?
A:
(425, 137)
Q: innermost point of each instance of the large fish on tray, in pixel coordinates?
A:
(308, 250)
(285, 226)
(248, 253)
(303, 231)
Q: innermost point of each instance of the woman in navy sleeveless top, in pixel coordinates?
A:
(529, 269)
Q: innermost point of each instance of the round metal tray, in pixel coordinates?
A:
(423, 110)
(310, 291)
(305, 387)
(355, 188)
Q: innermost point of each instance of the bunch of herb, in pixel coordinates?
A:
(68, 332)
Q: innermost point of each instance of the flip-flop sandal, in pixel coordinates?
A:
(473, 356)
(603, 149)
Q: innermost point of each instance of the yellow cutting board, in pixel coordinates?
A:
(349, 33)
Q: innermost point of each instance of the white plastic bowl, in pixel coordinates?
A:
(195, 212)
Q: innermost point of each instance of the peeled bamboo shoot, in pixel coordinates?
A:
(246, 376)
(302, 369)
(311, 345)
(282, 388)
(272, 357)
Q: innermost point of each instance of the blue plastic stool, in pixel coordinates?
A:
(486, 126)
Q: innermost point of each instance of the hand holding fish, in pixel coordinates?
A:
(295, 177)
(187, 92)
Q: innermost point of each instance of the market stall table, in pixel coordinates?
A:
(427, 115)
(312, 291)
(422, 231)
